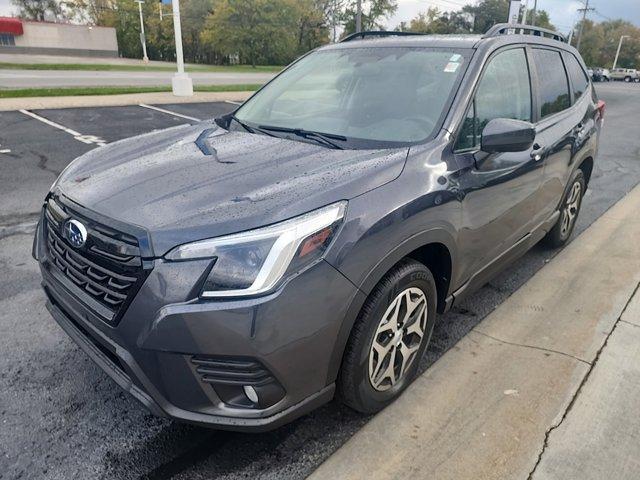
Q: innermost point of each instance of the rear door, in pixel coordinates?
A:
(557, 127)
(501, 190)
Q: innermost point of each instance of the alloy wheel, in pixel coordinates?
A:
(397, 339)
(570, 210)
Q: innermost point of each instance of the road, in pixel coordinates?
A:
(63, 418)
(70, 78)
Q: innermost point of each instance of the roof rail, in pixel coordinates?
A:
(507, 28)
(376, 33)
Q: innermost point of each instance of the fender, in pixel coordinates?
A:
(431, 236)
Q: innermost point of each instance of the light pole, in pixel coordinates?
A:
(145, 59)
(524, 14)
(615, 60)
(358, 16)
(181, 83)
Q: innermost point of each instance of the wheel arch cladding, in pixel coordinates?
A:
(433, 249)
(587, 168)
(437, 258)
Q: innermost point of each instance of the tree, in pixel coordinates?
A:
(435, 22)
(471, 19)
(264, 31)
(541, 20)
(39, 10)
(600, 42)
(487, 13)
(373, 12)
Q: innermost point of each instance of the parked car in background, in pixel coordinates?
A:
(625, 75)
(599, 74)
(239, 273)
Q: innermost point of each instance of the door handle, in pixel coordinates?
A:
(537, 153)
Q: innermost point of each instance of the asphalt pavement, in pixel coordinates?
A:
(71, 78)
(62, 417)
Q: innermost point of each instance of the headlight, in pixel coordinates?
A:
(254, 262)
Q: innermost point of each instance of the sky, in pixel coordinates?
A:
(563, 12)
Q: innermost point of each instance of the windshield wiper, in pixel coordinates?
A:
(249, 128)
(324, 138)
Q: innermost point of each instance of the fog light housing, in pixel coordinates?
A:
(238, 381)
(251, 393)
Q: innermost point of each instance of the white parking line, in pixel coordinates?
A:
(88, 139)
(169, 112)
(4, 150)
(234, 103)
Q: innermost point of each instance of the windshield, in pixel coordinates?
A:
(384, 95)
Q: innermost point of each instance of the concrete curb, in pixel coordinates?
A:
(37, 103)
(487, 407)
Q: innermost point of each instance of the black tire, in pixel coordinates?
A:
(355, 387)
(627, 79)
(559, 235)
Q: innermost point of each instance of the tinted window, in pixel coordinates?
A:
(504, 92)
(390, 94)
(579, 79)
(554, 86)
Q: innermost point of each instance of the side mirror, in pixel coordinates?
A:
(507, 135)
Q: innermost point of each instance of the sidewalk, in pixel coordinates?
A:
(546, 387)
(160, 98)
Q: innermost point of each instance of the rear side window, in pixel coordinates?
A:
(579, 80)
(504, 92)
(553, 84)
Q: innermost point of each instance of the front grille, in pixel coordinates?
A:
(231, 371)
(107, 270)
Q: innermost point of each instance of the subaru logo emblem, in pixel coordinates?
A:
(76, 233)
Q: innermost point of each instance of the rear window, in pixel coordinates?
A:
(579, 80)
(553, 84)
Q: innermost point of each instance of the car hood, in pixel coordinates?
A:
(193, 182)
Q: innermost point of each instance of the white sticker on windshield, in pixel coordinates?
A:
(455, 57)
(451, 67)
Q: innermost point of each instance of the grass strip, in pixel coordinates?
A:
(139, 68)
(83, 91)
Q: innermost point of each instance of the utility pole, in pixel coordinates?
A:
(615, 60)
(584, 17)
(145, 59)
(533, 13)
(333, 19)
(358, 16)
(181, 84)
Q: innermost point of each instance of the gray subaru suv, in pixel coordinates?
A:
(240, 272)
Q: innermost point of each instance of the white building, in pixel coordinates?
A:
(47, 38)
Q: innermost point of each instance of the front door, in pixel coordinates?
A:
(501, 190)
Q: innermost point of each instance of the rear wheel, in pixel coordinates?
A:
(569, 210)
(389, 338)
(627, 79)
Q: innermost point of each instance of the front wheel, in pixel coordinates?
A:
(569, 210)
(627, 79)
(389, 338)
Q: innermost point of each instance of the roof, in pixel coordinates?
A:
(11, 26)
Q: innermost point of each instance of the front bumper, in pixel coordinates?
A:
(292, 333)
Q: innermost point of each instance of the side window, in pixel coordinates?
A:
(553, 82)
(579, 79)
(504, 92)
